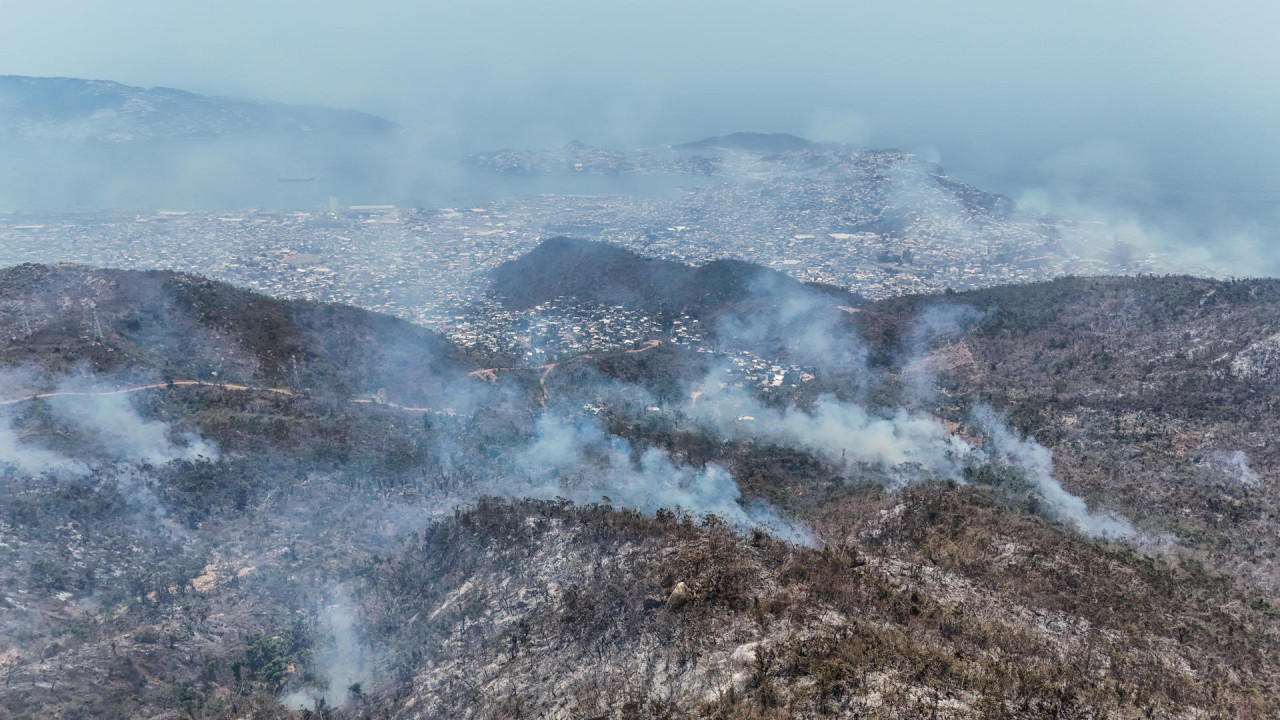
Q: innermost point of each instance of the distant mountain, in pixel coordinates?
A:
(71, 109)
(751, 142)
(602, 273)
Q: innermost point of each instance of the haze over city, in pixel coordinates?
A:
(1155, 116)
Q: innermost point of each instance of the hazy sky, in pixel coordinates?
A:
(1123, 103)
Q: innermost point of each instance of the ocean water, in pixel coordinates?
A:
(274, 174)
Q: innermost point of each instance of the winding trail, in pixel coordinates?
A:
(140, 388)
(398, 406)
(489, 374)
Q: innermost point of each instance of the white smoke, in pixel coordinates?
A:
(1037, 462)
(1113, 196)
(905, 445)
(937, 322)
(342, 662)
(1238, 463)
(113, 423)
(111, 427)
(577, 459)
(805, 321)
(107, 429)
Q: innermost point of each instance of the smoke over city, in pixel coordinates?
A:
(1100, 119)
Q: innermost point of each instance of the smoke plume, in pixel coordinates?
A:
(1037, 462)
(905, 445)
(343, 662)
(29, 458)
(115, 427)
(577, 459)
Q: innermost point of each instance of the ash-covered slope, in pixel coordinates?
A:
(952, 608)
(100, 111)
(317, 547)
(1158, 393)
(148, 325)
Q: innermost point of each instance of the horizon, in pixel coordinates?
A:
(1147, 116)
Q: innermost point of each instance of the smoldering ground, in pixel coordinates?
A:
(80, 421)
(906, 443)
(500, 441)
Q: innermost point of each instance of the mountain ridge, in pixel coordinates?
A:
(67, 318)
(105, 111)
(600, 272)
